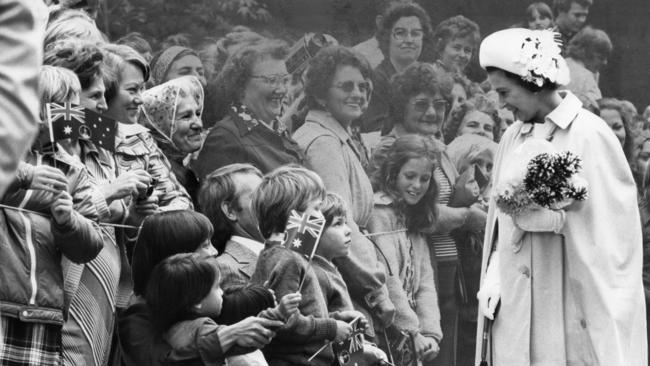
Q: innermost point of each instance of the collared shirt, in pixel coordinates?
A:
(254, 245)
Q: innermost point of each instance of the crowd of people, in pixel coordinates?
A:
(170, 247)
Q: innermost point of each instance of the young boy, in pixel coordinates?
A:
(282, 269)
(335, 243)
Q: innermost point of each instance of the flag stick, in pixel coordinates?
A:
(49, 122)
(311, 256)
(330, 342)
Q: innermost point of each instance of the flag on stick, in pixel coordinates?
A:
(303, 232)
(69, 121)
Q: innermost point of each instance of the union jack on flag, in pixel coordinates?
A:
(67, 111)
(303, 232)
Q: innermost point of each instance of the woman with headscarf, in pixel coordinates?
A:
(570, 289)
(172, 111)
(174, 62)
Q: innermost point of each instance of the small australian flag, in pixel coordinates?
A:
(303, 232)
(68, 120)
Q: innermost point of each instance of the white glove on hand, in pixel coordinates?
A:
(540, 220)
(490, 293)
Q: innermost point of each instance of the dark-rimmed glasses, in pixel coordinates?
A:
(401, 34)
(348, 86)
(423, 105)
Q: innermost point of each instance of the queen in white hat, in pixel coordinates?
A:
(570, 289)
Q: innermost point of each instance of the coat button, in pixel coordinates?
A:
(25, 313)
(524, 271)
(583, 323)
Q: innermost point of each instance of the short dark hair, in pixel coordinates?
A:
(117, 56)
(528, 85)
(452, 28)
(479, 103)
(322, 68)
(333, 205)
(287, 188)
(417, 78)
(562, 6)
(393, 14)
(238, 69)
(84, 58)
(587, 42)
(162, 235)
(177, 284)
(407, 147)
(219, 187)
(541, 8)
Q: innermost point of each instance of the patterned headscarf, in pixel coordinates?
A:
(160, 65)
(160, 105)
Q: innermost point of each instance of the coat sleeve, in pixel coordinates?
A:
(382, 220)
(21, 41)
(604, 249)
(426, 296)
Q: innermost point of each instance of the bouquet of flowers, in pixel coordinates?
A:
(539, 176)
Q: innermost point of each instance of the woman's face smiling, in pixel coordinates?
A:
(423, 122)
(346, 106)
(457, 53)
(413, 180)
(124, 107)
(188, 125)
(478, 123)
(263, 98)
(522, 102)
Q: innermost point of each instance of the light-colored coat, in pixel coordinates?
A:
(575, 298)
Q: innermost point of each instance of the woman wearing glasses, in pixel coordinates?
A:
(420, 98)
(337, 88)
(255, 80)
(404, 30)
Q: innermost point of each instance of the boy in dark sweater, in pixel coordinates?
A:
(282, 269)
(335, 243)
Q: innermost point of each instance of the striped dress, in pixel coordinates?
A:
(88, 333)
(444, 246)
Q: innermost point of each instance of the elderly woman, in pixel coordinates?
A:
(405, 30)
(255, 80)
(173, 113)
(478, 115)
(337, 87)
(574, 264)
(587, 54)
(135, 148)
(421, 97)
(93, 303)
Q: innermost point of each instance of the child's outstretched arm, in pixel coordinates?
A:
(287, 307)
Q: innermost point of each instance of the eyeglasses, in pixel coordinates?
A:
(423, 105)
(401, 34)
(274, 80)
(348, 86)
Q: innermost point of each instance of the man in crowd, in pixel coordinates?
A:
(570, 18)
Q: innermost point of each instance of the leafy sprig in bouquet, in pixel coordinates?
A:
(549, 179)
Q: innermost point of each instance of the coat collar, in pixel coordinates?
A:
(328, 122)
(242, 255)
(563, 115)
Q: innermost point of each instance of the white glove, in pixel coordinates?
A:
(540, 220)
(490, 292)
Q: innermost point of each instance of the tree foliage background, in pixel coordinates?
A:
(352, 21)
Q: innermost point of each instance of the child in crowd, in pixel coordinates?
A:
(40, 245)
(334, 243)
(282, 269)
(184, 295)
(404, 207)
